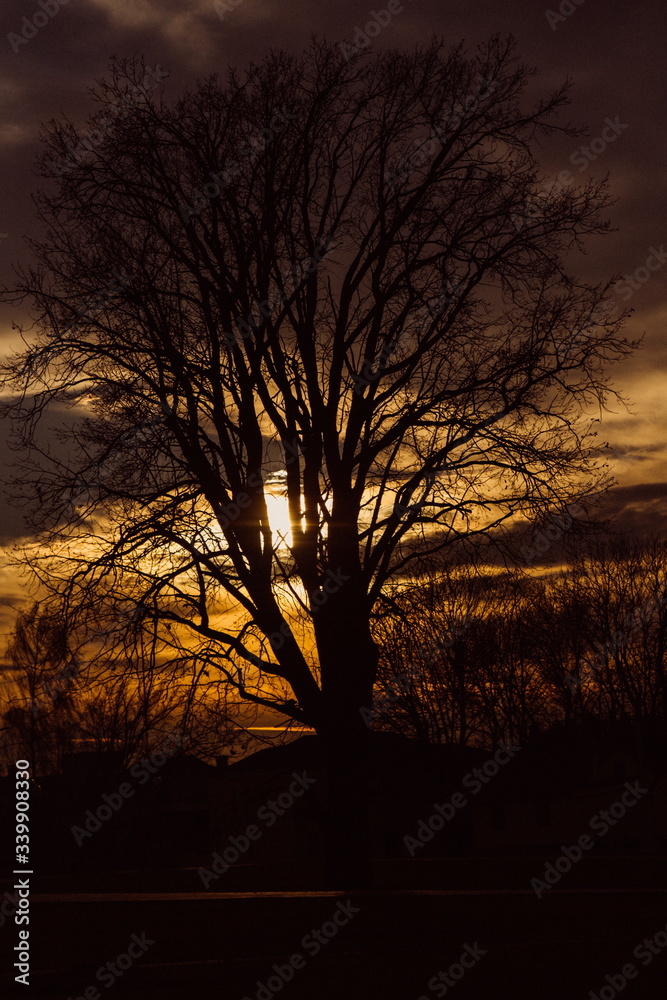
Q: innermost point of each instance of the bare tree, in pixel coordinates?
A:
(430, 657)
(461, 660)
(37, 711)
(328, 274)
(622, 586)
(560, 626)
(104, 688)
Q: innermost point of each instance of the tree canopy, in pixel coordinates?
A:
(323, 279)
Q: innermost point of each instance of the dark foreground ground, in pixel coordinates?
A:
(224, 945)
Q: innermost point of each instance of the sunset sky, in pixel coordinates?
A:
(612, 52)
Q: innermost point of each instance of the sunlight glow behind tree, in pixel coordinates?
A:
(315, 268)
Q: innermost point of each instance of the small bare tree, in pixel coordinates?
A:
(37, 712)
(104, 688)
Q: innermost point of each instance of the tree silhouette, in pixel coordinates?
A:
(472, 658)
(72, 690)
(330, 277)
(37, 712)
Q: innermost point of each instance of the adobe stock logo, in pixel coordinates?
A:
(646, 952)
(444, 980)
(601, 823)
(31, 26)
(566, 9)
(444, 812)
(224, 7)
(312, 943)
(362, 37)
(268, 814)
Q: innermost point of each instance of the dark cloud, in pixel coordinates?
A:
(612, 52)
(637, 510)
(55, 422)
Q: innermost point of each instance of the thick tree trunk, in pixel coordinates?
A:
(348, 660)
(346, 759)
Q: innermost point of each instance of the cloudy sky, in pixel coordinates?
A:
(613, 52)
